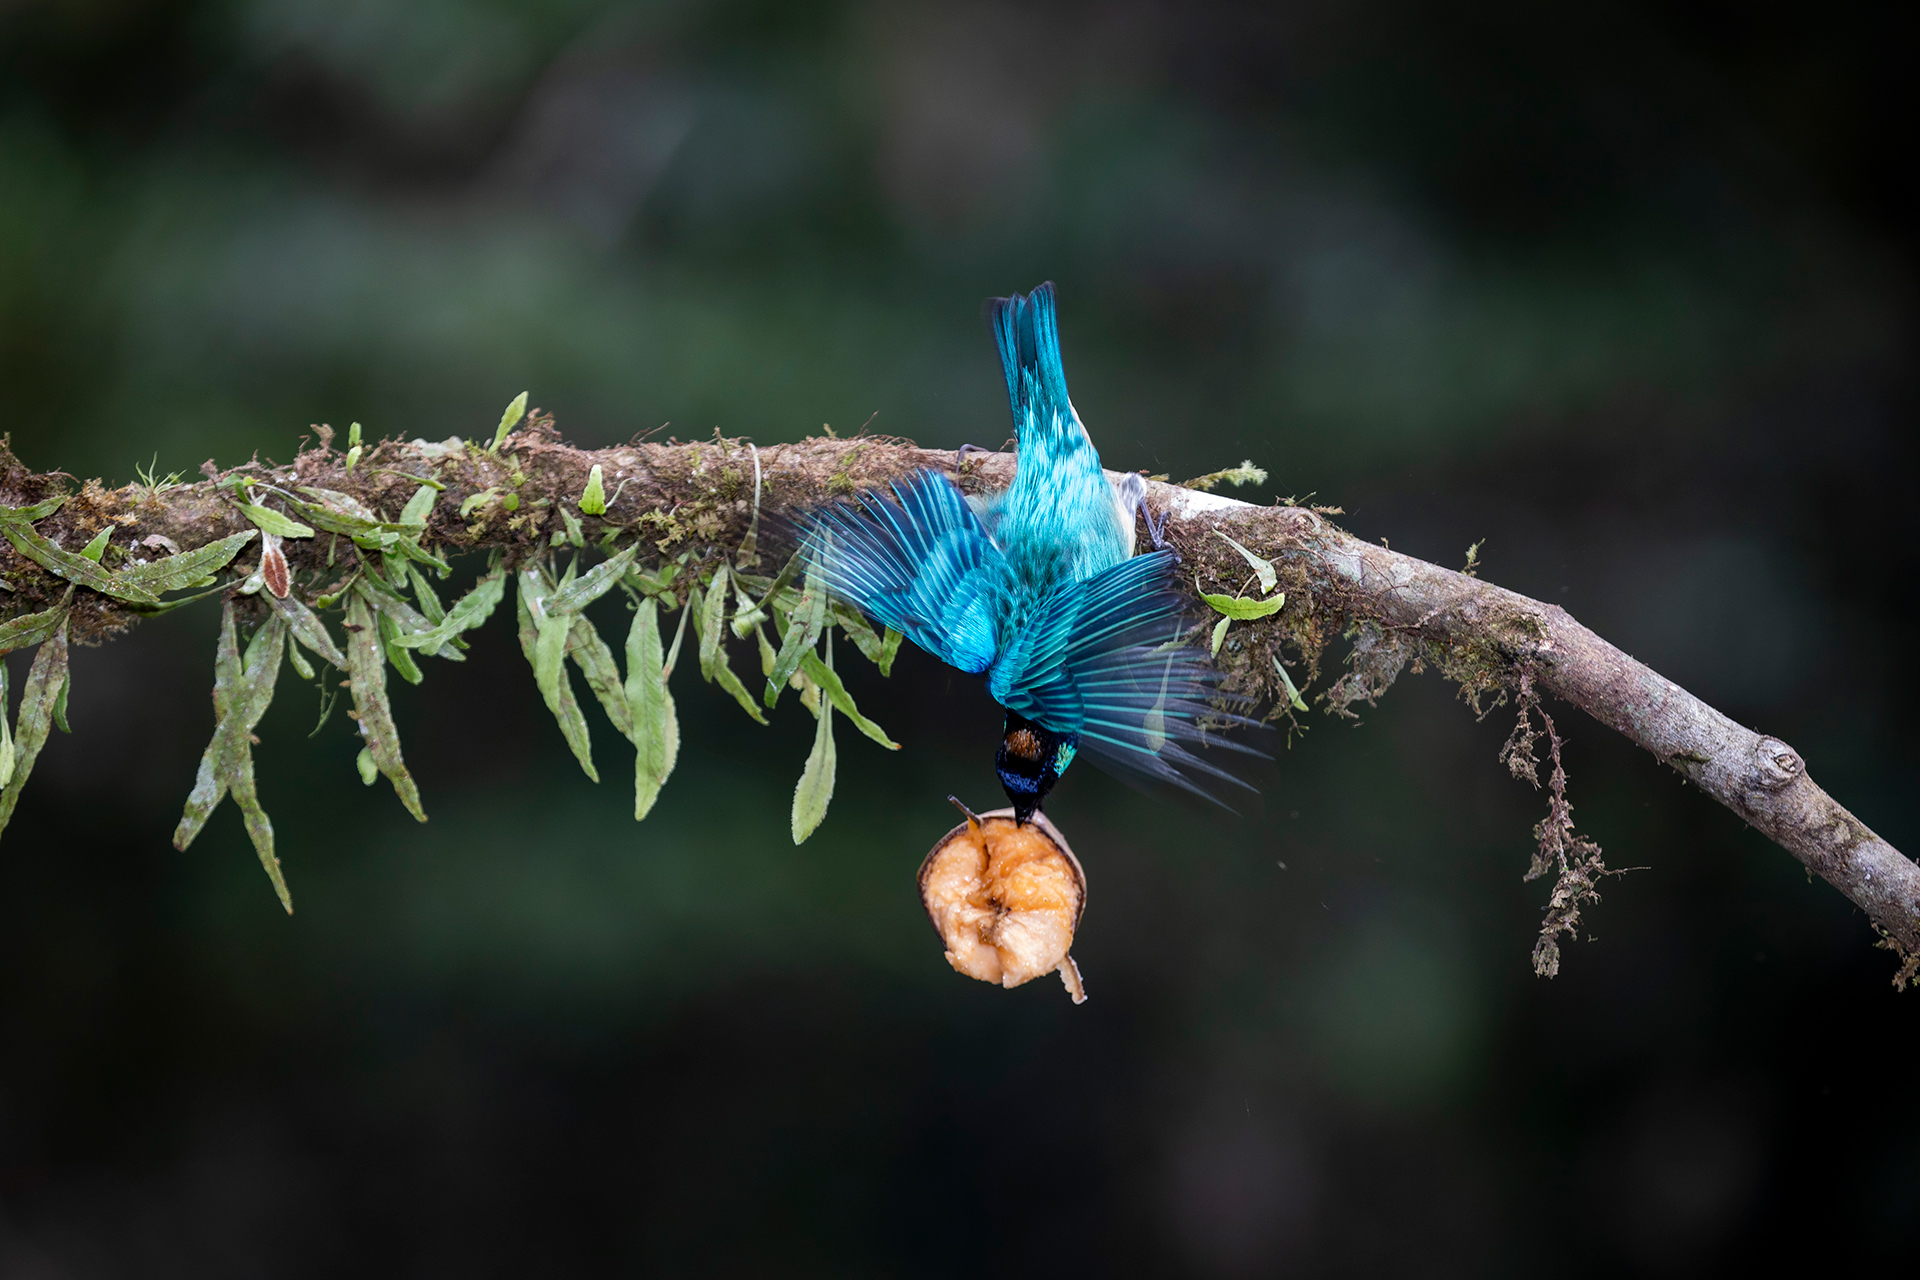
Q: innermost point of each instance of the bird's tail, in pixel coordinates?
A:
(1028, 334)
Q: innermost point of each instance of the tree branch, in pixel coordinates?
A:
(700, 498)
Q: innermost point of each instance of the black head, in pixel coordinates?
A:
(1031, 759)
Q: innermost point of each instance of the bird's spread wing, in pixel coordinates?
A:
(1111, 659)
(916, 559)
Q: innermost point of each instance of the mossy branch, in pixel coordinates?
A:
(697, 527)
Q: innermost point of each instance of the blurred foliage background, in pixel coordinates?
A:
(1625, 290)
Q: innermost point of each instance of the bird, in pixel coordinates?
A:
(1038, 588)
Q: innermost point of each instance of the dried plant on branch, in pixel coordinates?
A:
(334, 558)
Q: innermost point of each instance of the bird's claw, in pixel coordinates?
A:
(1157, 530)
(960, 455)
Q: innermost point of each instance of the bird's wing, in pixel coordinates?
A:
(1111, 658)
(916, 559)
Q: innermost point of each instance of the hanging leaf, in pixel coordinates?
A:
(592, 584)
(468, 612)
(1220, 634)
(595, 660)
(837, 694)
(815, 789)
(401, 659)
(1262, 567)
(425, 596)
(656, 725)
(33, 628)
(711, 606)
(306, 627)
(864, 637)
(544, 642)
(802, 634)
(6, 732)
(1293, 694)
(367, 680)
(890, 649)
(45, 679)
(242, 690)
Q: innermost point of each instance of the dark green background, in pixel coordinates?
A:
(1625, 290)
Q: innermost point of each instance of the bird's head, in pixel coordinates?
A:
(1031, 759)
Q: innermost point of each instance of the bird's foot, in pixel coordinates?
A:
(960, 455)
(1157, 530)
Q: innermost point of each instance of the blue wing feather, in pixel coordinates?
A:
(1110, 659)
(918, 561)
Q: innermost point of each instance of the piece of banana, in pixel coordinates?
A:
(1005, 898)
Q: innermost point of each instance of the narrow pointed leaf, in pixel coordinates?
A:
(592, 584)
(595, 660)
(855, 624)
(1262, 567)
(98, 547)
(1220, 634)
(267, 520)
(829, 682)
(76, 569)
(38, 511)
(1243, 608)
(309, 630)
(468, 612)
(401, 659)
(656, 725)
(815, 789)
(420, 505)
(367, 679)
(33, 628)
(713, 611)
(803, 633)
(1293, 694)
(6, 732)
(544, 642)
(509, 420)
(889, 650)
(44, 681)
(189, 567)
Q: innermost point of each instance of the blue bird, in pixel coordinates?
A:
(1037, 588)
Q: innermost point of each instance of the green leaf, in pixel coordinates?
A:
(864, 637)
(815, 789)
(369, 772)
(592, 584)
(77, 569)
(98, 547)
(270, 521)
(45, 679)
(655, 723)
(341, 513)
(837, 694)
(6, 733)
(396, 654)
(301, 667)
(33, 628)
(1293, 694)
(425, 596)
(367, 680)
(242, 691)
(419, 506)
(544, 642)
(710, 609)
(574, 533)
(468, 612)
(29, 515)
(593, 499)
(595, 660)
(802, 634)
(890, 649)
(679, 634)
(1262, 567)
(1243, 608)
(478, 499)
(1220, 633)
(60, 706)
(409, 625)
(724, 677)
(307, 628)
(187, 568)
(508, 421)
